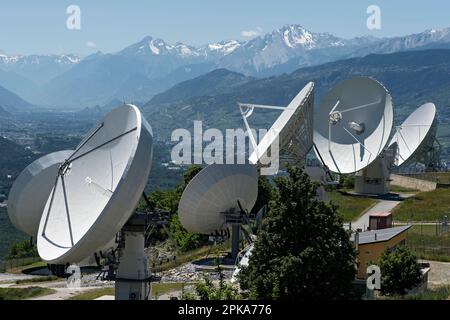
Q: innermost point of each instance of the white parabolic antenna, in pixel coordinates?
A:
(417, 131)
(214, 191)
(293, 128)
(97, 188)
(353, 124)
(29, 193)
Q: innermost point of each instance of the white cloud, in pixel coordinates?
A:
(251, 33)
(91, 44)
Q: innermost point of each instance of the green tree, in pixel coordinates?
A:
(265, 193)
(185, 240)
(169, 200)
(303, 252)
(348, 181)
(400, 271)
(23, 249)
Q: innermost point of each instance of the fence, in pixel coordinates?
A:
(430, 240)
(12, 264)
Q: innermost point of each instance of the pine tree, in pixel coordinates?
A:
(303, 252)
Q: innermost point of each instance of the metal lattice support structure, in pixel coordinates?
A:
(293, 128)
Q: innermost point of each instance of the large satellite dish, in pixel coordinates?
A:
(29, 193)
(294, 127)
(97, 188)
(214, 192)
(353, 124)
(416, 134)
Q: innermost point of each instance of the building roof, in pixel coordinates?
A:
(381, 214)
(381, 235)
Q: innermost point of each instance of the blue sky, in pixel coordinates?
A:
(109, 25)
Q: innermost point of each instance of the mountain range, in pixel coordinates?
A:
(151, 66)
(10, 102)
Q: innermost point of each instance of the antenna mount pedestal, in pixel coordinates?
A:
(235, 238)
(374, 179)
(133, 276)
(235, 218)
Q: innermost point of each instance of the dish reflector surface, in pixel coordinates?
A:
(97, 188)
(415, 132)
(353, 124)
(214, 191)
(294, 128)
(29, 193)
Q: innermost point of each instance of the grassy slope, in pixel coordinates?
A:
(402, 189)
(93, 294)
(439, 293)
(23, 293)
(158, 289)
(424, 206)
(429, 242)
(350, 207)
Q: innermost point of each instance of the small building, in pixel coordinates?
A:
(371, 244)
(381, 220)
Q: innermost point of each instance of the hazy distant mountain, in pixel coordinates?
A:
(428, 39)
(38, 68)
(11, 102)
(4, 113)
(151, 66)
(131, 74)
(24, 74)
(219, 81)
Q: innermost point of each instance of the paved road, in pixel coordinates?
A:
(439, 274)
(383, 205)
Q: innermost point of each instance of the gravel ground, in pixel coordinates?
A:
(11, 277)
(188, 273)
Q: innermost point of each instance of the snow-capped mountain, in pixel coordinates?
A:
(153, 65)
(38, 68)
(278, 47)
(251, 57)
(219, 49)
(150, 46)
(38, 59)
(428, 39)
